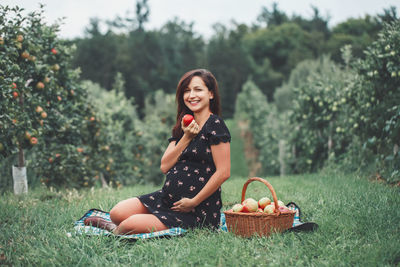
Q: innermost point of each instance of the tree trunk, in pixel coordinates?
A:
(103, 181)
(19, 173)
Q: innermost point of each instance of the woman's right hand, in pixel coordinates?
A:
(191, 130)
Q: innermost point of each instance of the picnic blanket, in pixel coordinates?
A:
(82, 229)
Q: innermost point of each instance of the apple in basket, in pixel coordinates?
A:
(269, 209)
(280, 203)
(260, 210)
(283, 209)
(263, 202)
(250, 205)
(237, 208)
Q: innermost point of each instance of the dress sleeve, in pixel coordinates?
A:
(172, 139)
(217, 131)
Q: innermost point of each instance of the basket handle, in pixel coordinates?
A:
(264, 182)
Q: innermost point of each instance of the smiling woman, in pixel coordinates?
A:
(196, 163)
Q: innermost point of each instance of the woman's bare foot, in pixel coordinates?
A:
(99, 222)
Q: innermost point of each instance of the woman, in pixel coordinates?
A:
(196, 163)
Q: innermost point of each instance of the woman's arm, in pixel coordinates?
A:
(222, 160)
(173, 151)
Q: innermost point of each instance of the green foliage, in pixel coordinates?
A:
(147, 60)
(156, 127)
(265, 123)
(226, 48)
(42, 103)
(376, 99)
(320, 115)
(265, 51)
(120, 130)
(346, 115)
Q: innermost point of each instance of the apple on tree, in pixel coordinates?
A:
(40, 85)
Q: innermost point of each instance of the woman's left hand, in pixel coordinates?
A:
(184, 205)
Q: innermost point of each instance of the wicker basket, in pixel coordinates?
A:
(258, 223)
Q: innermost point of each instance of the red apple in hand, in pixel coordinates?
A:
(187, 119)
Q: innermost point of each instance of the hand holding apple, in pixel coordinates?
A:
(192, 129)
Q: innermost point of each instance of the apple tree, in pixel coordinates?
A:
(41, 102)
(376, 98)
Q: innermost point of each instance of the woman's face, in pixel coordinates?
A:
(197, 96)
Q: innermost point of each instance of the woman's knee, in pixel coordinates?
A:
(140, 223)
(126, 208)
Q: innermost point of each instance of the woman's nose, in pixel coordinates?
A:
(192, 93)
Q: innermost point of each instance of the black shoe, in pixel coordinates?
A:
(100, 222)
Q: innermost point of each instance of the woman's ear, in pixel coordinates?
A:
(211, 95)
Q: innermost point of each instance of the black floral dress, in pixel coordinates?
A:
(187, 177)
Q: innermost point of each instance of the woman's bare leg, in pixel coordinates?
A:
(140, 223)
(126, 208)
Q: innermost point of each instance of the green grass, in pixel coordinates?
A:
(359, 225)
(238, 161)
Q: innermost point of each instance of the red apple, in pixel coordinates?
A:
(25, 55)
(263, 202)
(237, 208)
(250, 205)
(34, 141)
(15, 95)
(283, 209)
(43, 115)
(39, 109)
(187, 119)
(54, 51)
(14, 85)
(40, 85)
(27, 135)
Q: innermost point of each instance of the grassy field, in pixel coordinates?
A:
(358, 219)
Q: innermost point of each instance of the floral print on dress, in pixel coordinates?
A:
(187, 177)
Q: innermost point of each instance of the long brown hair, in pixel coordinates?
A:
(212, 85)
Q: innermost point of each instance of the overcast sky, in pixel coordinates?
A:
(203, 13)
